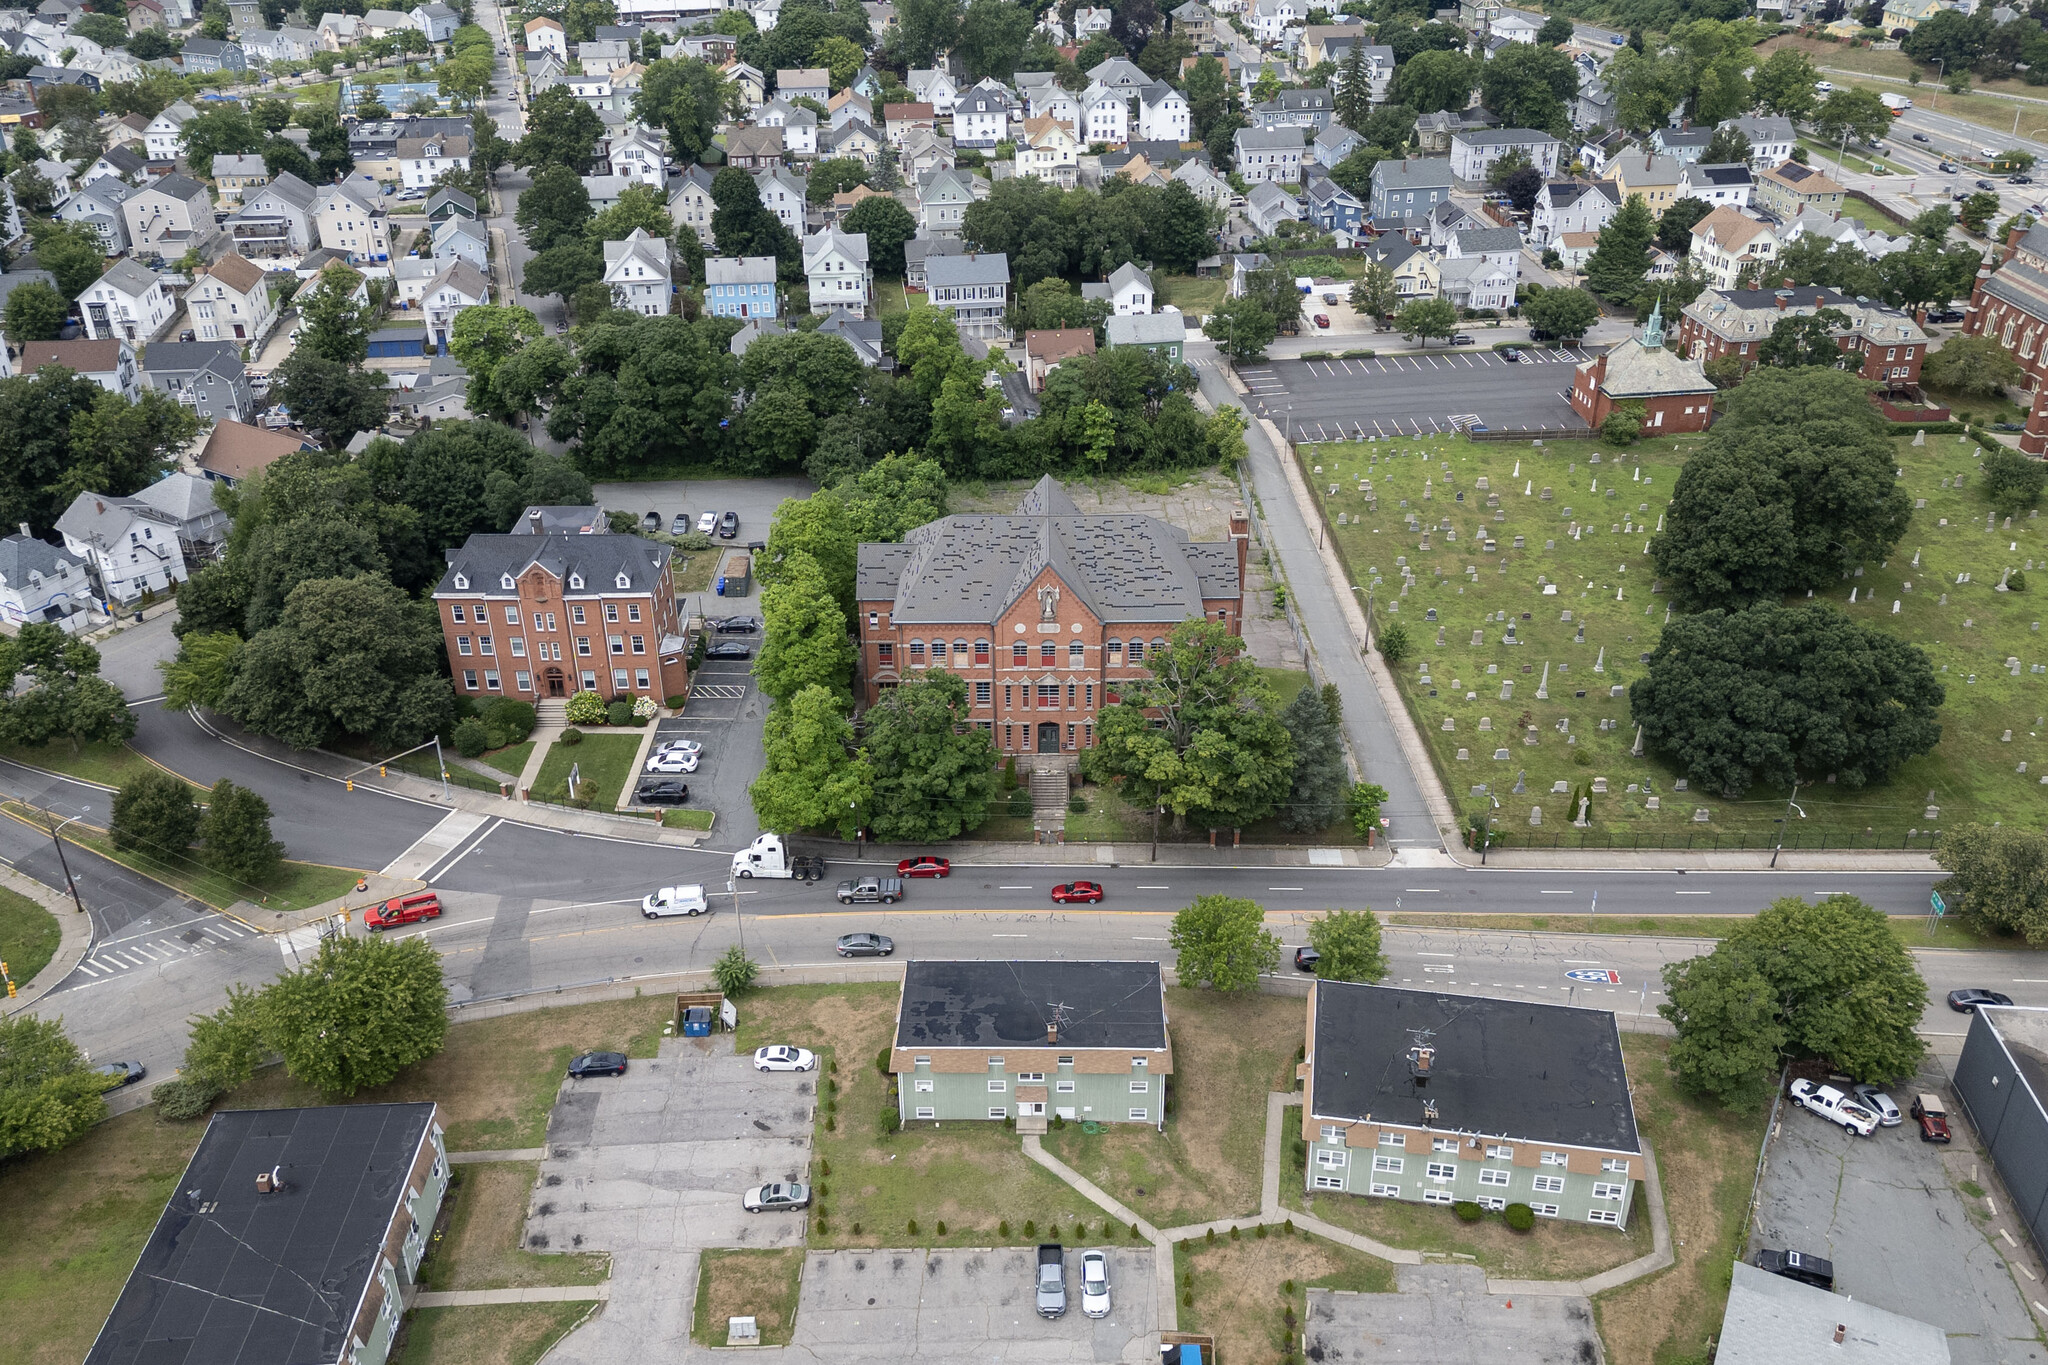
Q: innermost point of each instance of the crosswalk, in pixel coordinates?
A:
(158, 947)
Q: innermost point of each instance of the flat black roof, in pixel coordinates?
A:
(992, 1004)
(1503, 1068)
(234, 1277)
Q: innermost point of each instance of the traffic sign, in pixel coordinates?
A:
(1601, 974)
(1940, 906)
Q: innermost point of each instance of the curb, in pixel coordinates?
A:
(73, 947)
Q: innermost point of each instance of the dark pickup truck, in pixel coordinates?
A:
(887, 890)
(1052, 1280)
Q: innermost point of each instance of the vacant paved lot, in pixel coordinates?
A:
(1443, 1312)
(1328, 400)
(1883, 1210)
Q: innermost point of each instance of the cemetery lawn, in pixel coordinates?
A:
(1968, 630)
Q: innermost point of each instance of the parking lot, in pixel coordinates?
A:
(1886, 1211)
(1414, 395)
(650, 1166)
(1443, 1312)
(754, 499)
(724, 714)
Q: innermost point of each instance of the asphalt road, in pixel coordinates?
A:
(1410, 395)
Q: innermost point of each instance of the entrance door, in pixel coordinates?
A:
(554, 681)
(1030, 1108)
(1048, 737)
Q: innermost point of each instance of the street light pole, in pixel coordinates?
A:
(64, 863)
(1790, 806)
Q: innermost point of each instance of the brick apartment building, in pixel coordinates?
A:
(2009, 304)
(1724, 322)
(540, 616)
(1042, 612)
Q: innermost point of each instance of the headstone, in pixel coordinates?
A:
(1699, 815)
(1486, 722)
(1895, 606)
(1636, 749)
(1920, 437)
(1507, 691)
(1560, 787)
(1535, 817)
(1464, 755)
(1599, 786)
(1429, 615)
(1543, 687)
(1584, 803)
(1652, 804)
(1544, 496)
(1529, 735)
(1500, 755)
(2005, 738)
(1518, 542)
(1439, 636)
(1919, 503)
(1478, 638)
(1449, 724)
(1617, 689)
(1521, 783)
(1679, 785)
(1933, 813)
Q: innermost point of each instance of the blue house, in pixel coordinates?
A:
(741, 287)
(1333, 208)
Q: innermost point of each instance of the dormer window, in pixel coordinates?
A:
(624, 581)
(505, 582)
(462, 580)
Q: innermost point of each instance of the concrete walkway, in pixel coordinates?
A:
(475, 1298)
(1272, 1213)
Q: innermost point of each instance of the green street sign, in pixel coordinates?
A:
(1940, 906)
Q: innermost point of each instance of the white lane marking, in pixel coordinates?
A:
(1283, 888)
(1423, 891)
(1436, 954)
(132, 961)
(1692, 893)
(138, 948)
(438, 842)
(585, 905)
(1581, 962)
(474, 846)
(1557, 893)
(1013, 888)
(1140, 939)
(1009, 936)
(1155, 888)
(88, 968)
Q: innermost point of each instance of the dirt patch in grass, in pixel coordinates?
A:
(76, 1221)
(1228, 1052)
(1706, 1157)
(757, 1284)
(501, 1334)
(497, 1078)
(478, 1246)
(964, 1184)
(1239, 1292)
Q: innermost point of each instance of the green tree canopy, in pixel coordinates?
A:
(1349, 941)
(934, 770)
(35, 312)
(816, 526)
(888, 226)
(1793, 487)
(1976, 366)
(805, 642)
(334, 322)
(154, 814)
(1778, 693)
(811, 778)
(1222, 942)
(1426, 318)
(556, 207)
(1528, 86)
(1621, 255)
(1998, 878)
(236, 832)
(49, 1096)
(1321, 777)
(1729, 1033)
(359, 1013)
(1806, 339)
(1566, 314)
(52, 689)
(329, 397)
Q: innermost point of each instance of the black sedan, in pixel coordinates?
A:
(118, 1074)
(599, 1064)
(663, 793)
(1966, 1000)
(1919, 137)
(1306, 958)
(866, 945)
(730, 649)
(735, 625)
(1987, 185)
(2019, 180)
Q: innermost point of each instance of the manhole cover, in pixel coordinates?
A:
(192, 936)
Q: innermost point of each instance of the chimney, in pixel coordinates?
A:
(1841, 1331)
(533, 520)
(1052, 1032)
(1781, 303)
(25, 531)
(264, 1185)
(1241, 536)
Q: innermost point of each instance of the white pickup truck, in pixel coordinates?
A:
(1836, 1107)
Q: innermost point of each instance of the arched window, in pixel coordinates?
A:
(916, 653)
(1112, 652)
(1048, 653)
(938, 653)
(981, 651)
(1077, 654)
(959, 652)
(1137, 651)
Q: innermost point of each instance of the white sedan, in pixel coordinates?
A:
(707, 523)
(674, 761)
(679, 746)
(779, 1057)
(1095, 1284)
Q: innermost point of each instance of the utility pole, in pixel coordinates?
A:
(70, 882)
(1790, 806)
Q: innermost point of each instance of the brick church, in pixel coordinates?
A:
(1042, 611)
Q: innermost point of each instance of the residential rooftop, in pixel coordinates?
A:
(1013, 1004)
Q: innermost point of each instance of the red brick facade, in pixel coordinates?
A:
(2009, 304)
(1663, 414)
(1735, 322)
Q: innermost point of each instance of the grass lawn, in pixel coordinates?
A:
(604, 764)
(890, 297)
(510, 760)
(497, 1334)
(1852, 159)
(1979, 106)
(479, 1245)
(295, 887)
(327, 92)
(961, 1182)
(1239, 1291)
(29, 936)
(1286, 681)
(497, 1078)
(78, 1218)
(108, 764)
(752, 1283)
(687, 819)
(1195, 297)
(1603, 579)
(1228, 1054)
(1706, 1158)
(695, 570)
(1868, 216)
(1980, 409)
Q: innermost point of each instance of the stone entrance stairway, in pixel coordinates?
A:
(1049, 790)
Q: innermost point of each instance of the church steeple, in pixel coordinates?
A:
(1653, 330)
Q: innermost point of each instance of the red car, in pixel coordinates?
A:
(926, 866)
(403, 910)
(1077, 893)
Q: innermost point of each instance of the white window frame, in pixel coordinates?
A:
(1612, 1217)
(1615, 1164)
(1604, 1189)
(1386, 1191)
(1394, 1140)
(1493, 1202)
(921, 1061)
(1141, 1087)
(923, 1087)
(1549, 1184)
(1544, 1210)
(997, 1111)
(1031, 1078)
(1493, 1176)
(1329, 1182)
(925, 1111)
(1333, 1132)
(1063, 1087)
(1334, 1158)
(1500, 1151)
(1442, 1171)
(1443, 1144)
(1552, 1159)
(995, 1061)
(1389, 1165)
(998, 1086)
(1439, 1197)
(1141, 1115)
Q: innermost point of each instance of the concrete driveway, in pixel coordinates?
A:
(1884, 1210)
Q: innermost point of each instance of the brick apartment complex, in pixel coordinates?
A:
(2009, 304)
(1675, 392)
(539, 616)
(1042, 612)
(1724, 322)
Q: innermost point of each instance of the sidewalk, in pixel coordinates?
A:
(72, 948)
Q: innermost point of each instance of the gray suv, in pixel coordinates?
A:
(887, 890)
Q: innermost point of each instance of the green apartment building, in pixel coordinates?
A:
(988, 1041)
(1451, 1098)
